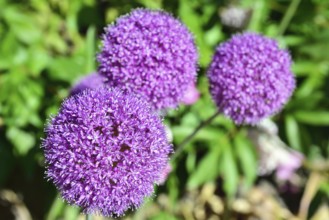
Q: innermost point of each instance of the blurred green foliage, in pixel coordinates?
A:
(45, 46)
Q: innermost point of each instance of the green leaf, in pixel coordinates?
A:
(229, 170)
(67, 68)
(23, 25)
(193, 22)
(8, 50)
(38, 60)
(151, 4)
(173, 187)
(293, 40)
(320, 118)
(309, 68)
(259, 15)
(310, 85)
(247, 157)
(324, 187)
(190, 119)
(22, 140)
(54, 40)
(164, 216)
(292, 131)
(307, 102)
(71, 212)
(207, 169)
(317, 50)
(22, 106)
(213, 35)
(56, 209)
(191, 161)
(90, 49)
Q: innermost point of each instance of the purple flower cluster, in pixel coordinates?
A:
(105, 150)
(149, 53)
(91, 81)
(250, 78)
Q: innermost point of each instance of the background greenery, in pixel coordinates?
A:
(45, 46)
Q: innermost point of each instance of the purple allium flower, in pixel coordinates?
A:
(105, 150)
(151, 54)
(250, 78)
(91, 81)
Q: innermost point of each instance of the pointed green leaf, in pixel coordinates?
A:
(292, 131)
(320, 118)
(246, 154)
(229, 171)
(206, 170)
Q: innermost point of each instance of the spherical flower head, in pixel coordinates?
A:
(105, 150)
(250, 78)
(91, 81)
(150, 53)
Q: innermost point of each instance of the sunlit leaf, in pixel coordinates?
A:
(292, 131)
(191, 161)
(67, 69)
(229, 170)
(23, 25)
(164, 216)
(193, 22)
(206, 170)
(246, 154)
(320, 118)
(56, 208)
(22, 140)
(71, 212)
(90, 49)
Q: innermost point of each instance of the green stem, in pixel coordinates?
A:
(88, 217)
(181, 146)
(288, 16)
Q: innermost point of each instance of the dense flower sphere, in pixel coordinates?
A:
(250, 78)
(105, 150)
(150, 53)
(90, 81)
